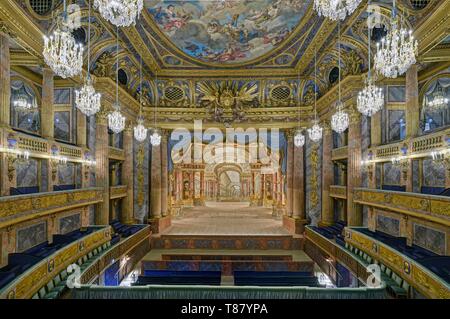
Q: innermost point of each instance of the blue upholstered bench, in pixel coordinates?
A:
(23, 190)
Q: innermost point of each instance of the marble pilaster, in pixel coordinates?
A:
(164, 174)
(47, 108)
(5, 81)
(155, 193)
(127, 177)
(102, 167)
(327, 216)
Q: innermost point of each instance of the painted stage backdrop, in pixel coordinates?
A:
(227, 31)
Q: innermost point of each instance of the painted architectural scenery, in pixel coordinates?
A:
(214, 154)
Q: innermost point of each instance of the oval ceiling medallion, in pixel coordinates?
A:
(283, 59)
(227, 31)
(171, 60)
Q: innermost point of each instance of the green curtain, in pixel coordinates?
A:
(208, 292)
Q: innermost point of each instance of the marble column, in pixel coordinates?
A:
(81, 129)
(298, 185)
(412, 118)
(375, 130)
(412, 102)
(5, 98)
(327, 216)
(127, 176)
(47, 109)
(155, 194)
(164, 174)
(354, 211)
(102, 167)
(289, 173)
(5, 81)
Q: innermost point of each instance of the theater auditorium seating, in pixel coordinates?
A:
(440, 265)
(333, 232)
(169, 277)
(20, 262)
(125, 230)
(395, 188)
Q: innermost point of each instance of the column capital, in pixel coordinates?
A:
(355, 116)
(326, 126)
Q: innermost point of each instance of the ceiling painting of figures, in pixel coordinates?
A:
(227, 31)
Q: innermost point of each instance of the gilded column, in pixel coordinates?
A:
(327, 216)
(5, 81)
(47, 109)
(102, 167)
(298, 202)
(127, 176)
(155, 195)
(289, 173)
(164, 173)
(354, 211)
(412, 119)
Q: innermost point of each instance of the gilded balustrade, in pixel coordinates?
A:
(428, 207)
(338, 191)
(116, 153)
(25, 286)
(119, 191)
(14, 209)
(116, 252)
(339, 153)
(425, 281)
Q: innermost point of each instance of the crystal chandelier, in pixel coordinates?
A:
(22, 103)
(397, 51)
(116, 121)
(86, 99)
(61, 53)
(155, 138)
(371, 99)
(340, 119)
(335, 9)
(121, 13)
(140, 131)
(299, 139)
(315, 132)
(438, 102)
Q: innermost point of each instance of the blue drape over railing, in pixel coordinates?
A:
(210, 292)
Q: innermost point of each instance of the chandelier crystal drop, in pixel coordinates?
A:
(315, 132)
(438, 101)
(335, 9)
(396, 52)
(116, 121)
(121, 13)
(62, 54)
(155, 138)
(87, 100)
(140, 131)
(370, 99)
(340, 120)
(299, 139)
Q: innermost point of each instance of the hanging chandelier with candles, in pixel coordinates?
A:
(116, 121)
(140, 131)
(86, 99)
(336, 9)
(299, 138)
(340, 120)
(438, 102)
(155, 138)
(371, 99)
(61, 52)
(121, 13)
(315, 132)
(397, 51)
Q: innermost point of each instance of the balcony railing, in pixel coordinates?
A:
(25, 207)
(425, 281)
(338, 191)
(116, 153)
(429, 207)
(119, 191)
(128, 247)
(339, 153)
(39, 275)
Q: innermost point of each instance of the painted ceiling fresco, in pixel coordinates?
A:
(227, 31)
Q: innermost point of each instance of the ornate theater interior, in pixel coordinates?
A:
(224, 149)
